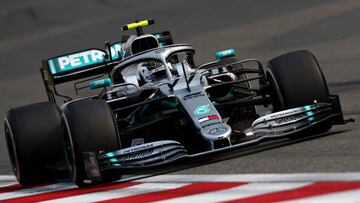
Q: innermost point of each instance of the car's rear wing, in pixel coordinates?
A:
(85, 63)
(81, 64)
(77, 65)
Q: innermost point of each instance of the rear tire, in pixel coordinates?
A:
(34, 136)
(91, 128)
(298, 81)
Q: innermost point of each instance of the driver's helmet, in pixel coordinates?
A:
(152, 71)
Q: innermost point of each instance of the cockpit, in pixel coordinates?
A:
(152, 71)
(155, 66)
(181, 61)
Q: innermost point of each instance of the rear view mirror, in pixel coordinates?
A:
(224, 54)
(100, 83)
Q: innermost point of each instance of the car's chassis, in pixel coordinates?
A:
(177, 148)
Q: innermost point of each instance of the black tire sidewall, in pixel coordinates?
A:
(35, 135)
(101, 133)
(297, 80)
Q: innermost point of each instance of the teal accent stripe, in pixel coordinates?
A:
(52, 67)
(110, 154)
(311, 119)
(113, 160)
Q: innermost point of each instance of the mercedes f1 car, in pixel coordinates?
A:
(152, 106)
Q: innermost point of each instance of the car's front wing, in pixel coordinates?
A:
(168, 155)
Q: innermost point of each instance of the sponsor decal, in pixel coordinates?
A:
(285, 113)
(131, 156)
(217, 131)
(289, 119)
(137, 155)
(202, 109)
(208, 118)
(138, 148)
(194, 95)
(82, 59)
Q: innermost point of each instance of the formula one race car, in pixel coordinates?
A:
(154, 107)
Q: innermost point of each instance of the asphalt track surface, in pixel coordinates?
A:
(36, 29)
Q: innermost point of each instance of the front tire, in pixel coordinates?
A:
(298, 80)
(91, 128)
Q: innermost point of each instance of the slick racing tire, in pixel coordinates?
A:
(34, 136)
(91, 127)
(298, 81)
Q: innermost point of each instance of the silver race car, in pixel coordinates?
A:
(153, 109)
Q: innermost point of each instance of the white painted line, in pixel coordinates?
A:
(298, 177)
(36, 190)
(7, 178)
(243, 191)
(6, 184)
(118, 193)
(348, 196)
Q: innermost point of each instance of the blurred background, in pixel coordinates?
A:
(33, 30)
